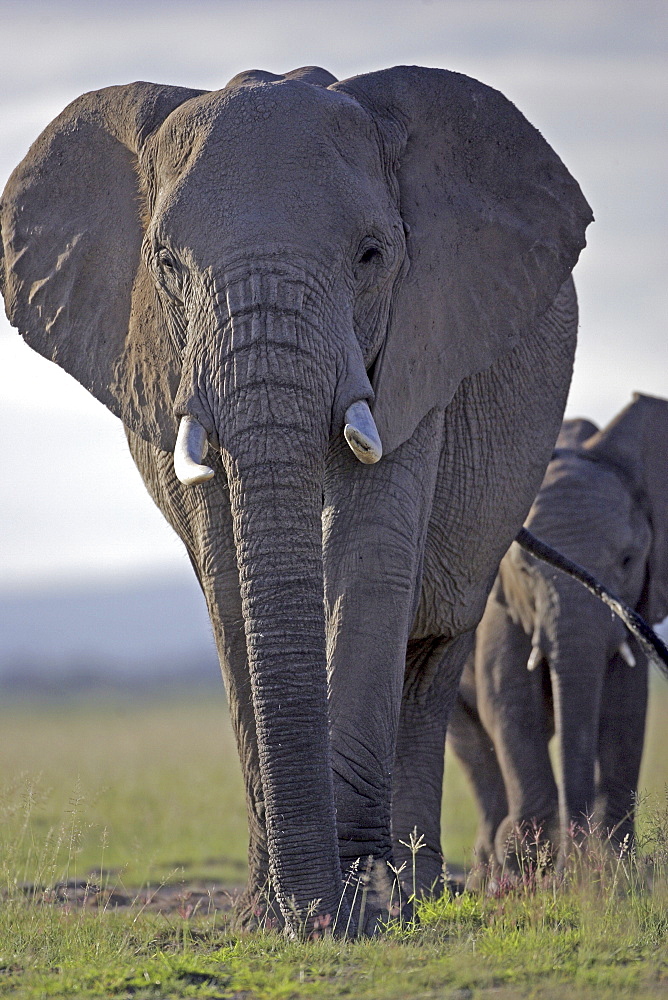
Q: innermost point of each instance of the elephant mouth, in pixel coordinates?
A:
(192, 441)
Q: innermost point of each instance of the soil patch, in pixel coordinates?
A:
(184, 899)
(187, 899)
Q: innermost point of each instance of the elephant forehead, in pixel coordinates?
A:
(583, 504)
(250, 128)
(583, 489)
(285, 163)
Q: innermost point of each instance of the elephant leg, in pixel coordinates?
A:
(257, 904)
(374, 529)
(511, 704)
(474, 748)
(201, 517)
(433, 669)
(620, 746)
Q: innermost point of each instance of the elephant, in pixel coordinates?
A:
(549, 657)
(242, 276)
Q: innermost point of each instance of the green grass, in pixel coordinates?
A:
(145, 788)
(138, 788)
(600, 941)
(146, 791)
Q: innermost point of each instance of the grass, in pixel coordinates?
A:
(600, 940)
(145, 792)
(140, 788)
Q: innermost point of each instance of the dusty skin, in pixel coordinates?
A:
(313, 271)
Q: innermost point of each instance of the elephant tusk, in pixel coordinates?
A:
(191, 444)
(535, 656)
(361, 433)
(626, 654)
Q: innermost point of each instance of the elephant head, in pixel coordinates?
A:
(262, 264)
(604, 505)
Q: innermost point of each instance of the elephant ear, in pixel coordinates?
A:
(636, 443)
(494, 223)
(72, 219)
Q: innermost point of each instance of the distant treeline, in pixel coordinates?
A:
(27, 683)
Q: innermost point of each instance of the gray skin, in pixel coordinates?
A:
(259, 258)
(604, 504)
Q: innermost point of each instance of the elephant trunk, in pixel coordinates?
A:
(277, 527)
(563, 624)
(577, 659)
(272, 390)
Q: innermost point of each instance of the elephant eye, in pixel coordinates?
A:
(165, 260)
(371, 253)
(169, 272)
(368, 255)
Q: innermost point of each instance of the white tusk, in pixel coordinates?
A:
(626, 654)
(535, 656)
(361, 433)
(191, 443)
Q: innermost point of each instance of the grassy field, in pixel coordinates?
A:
(138, 792)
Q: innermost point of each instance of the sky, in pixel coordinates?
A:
(592, 76)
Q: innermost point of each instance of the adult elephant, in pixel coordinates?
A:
(603, 504)
(251, 269)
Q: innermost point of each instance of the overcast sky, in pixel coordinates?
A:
(592, 76)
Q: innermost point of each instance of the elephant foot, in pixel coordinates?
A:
(485, 867)
(427, 879)
(257, 908)
(588, 847)
(485, 872)
(524, 850)
(373, 896)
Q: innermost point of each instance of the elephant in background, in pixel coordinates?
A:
(241, 276)
(550, 658)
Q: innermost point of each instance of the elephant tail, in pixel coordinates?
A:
(655, 650)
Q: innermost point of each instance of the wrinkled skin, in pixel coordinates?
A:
(259, 258)
(604, 504)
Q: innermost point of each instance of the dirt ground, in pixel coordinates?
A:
(182, 898)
